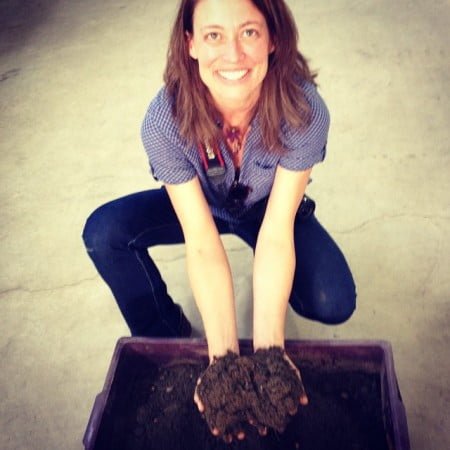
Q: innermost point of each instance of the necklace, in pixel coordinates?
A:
(234, 139)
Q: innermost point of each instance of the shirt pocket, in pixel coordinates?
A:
(265, 164)
(261, 178)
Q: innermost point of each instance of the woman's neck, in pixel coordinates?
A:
(237, 119)
(237, 115)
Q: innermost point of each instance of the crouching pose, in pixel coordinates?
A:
(233, 136)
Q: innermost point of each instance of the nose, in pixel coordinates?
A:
(233, 51)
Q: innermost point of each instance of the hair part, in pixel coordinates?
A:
(281, 101)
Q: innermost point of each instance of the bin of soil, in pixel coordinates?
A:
(146, 402)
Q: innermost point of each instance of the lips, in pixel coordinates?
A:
(233, 75)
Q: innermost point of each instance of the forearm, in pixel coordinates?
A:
(273, 274)
(211, 282)
(207, 265)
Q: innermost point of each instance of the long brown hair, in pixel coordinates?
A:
(281, 100)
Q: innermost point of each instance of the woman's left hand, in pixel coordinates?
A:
(280, 389)
(303, 399)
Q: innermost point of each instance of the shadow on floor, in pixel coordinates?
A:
(19, 19)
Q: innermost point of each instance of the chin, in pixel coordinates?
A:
(233, 93)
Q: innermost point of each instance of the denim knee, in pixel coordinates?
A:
(331, 307)
(102, 230)
(336, 308)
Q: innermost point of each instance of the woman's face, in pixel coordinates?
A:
(231, 43)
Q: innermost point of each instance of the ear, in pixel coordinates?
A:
(191, 46)
(271, 47)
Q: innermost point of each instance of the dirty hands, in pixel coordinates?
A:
(263, 389)
(218, 396)
(279, 388)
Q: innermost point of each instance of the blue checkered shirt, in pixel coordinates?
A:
(173, 161)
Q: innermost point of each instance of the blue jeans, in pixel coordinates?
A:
(118, 234)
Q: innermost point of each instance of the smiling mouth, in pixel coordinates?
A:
(233, 75)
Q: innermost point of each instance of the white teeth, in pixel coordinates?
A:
(233, 74)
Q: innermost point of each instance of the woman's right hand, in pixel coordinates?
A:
(225, 414)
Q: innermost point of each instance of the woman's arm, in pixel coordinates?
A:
(208, 268)
(275, 258)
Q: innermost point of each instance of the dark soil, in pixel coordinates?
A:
(152, 408)
(262, 389)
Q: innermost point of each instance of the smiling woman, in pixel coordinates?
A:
(233, 136)
(232, 55)
(230, 41)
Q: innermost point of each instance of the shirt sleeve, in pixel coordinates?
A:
(307, 147)
(164, 146)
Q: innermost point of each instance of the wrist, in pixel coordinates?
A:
(268, 339)
(220, 349)
(268, 327)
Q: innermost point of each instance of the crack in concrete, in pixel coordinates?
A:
(50, 289)
(85, 280)
(389, 217)
(431, 271)
(428, 277)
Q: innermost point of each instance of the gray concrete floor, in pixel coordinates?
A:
(75, 80)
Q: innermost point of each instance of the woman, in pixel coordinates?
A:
(233, 136)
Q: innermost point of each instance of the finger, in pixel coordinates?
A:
(198, 402)
(249, 416)
(228, 438)
(251, 419)
(240, 435)
(262, 431)
(304, 399)
(215, 431)
(294, 367)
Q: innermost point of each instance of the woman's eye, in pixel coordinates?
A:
(213, 36)
(250, 32)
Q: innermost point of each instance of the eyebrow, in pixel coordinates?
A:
(242, 25)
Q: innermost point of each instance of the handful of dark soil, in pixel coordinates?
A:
(262, 389)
